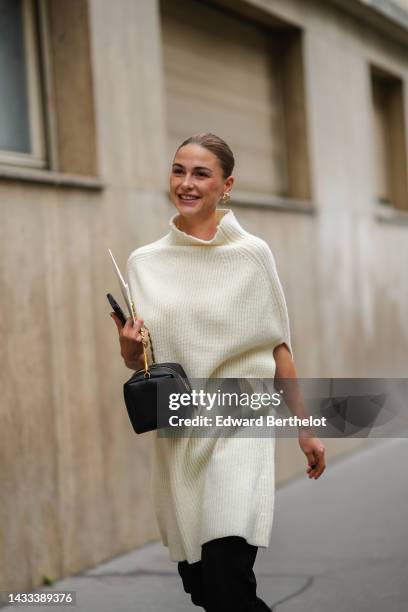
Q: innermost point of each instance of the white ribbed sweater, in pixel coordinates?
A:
(217, 307)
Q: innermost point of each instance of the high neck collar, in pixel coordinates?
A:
(228, 229)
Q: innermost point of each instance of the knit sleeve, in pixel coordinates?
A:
(266, 258)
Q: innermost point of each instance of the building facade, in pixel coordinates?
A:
(94, 97)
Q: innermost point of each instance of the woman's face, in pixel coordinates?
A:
(196, 181)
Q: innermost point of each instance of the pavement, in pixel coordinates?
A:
(339, 544)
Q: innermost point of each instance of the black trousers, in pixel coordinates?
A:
(223, 581)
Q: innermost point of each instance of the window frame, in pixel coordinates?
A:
(32, 18)
(395, 174)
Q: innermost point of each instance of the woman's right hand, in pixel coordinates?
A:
(130, 339)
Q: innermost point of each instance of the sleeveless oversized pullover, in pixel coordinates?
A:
(217, 307)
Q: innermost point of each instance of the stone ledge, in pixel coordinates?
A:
(272, 202)
(393, 216)
(50, 177)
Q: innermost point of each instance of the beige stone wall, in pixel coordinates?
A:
(75, 479)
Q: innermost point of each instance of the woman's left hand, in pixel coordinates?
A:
(314, 450)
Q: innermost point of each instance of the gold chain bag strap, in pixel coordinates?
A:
(146, 344)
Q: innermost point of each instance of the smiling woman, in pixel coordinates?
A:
(200, 177)
(211, 296)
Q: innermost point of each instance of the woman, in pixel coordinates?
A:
(213, 301)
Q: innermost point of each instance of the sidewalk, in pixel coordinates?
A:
(339, 544)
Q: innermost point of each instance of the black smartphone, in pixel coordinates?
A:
(116, 308)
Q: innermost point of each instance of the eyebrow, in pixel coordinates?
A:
(195, 167)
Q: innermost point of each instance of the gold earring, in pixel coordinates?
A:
(225, 197)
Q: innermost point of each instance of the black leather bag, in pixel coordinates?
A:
(147, 392)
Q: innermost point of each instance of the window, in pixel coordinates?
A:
(47, 118)
(390, 157)
(21, 106)
(228, 75)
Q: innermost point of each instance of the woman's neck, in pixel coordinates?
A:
(204, 229)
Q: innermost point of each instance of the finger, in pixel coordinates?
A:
(320, 472)
(117, 321)
(130, 328)
(312, 472)
(131, 331)
(136, 324)
(320, 469)
(321, 464)
(313, 460)
(136, 331)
